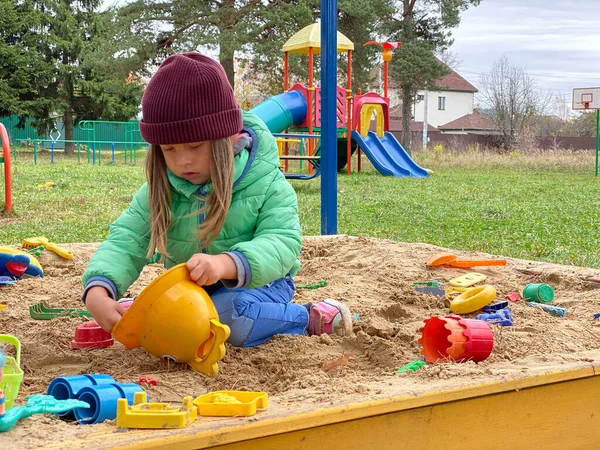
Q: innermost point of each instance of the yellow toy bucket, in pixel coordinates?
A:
(13, 375)
(173, 318)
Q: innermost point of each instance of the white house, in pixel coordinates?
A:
(453, 101)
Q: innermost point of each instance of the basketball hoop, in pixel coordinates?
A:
(586, 99)
(589, 98)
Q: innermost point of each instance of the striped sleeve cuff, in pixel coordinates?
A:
(243, 270)
(104, 282)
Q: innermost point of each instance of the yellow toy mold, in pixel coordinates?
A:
(154, 415)
(231, 403)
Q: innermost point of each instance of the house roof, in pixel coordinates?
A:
(451, 82)
(396, 112)
(310, 37)
(473, 121)
(454, 82)
(415, 126)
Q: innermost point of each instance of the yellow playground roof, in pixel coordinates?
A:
(310, 36)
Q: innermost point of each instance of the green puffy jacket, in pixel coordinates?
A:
(262, 224)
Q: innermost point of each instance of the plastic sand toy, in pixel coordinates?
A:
(513, 296)
(154, 415)
(502, 317)
(449, 259)
(539, 292)
(90, 336)
(64, 388)
(103, 400)
(430, 287)
(412, 366)
(38, 404)
(100, 392)
(12, 372)
(2, 398)
(495, 307)
(450, 338)
(467, 280)
(473, 299)
(39, 311)
(556, 311)
(41, 240)
(231, 403)
(4, 280)
(15, 263)
(174, 319)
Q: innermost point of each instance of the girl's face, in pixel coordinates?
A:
(190, 161)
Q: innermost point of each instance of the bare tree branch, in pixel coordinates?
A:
(514, 99)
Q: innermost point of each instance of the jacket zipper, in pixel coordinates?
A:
(201, 193)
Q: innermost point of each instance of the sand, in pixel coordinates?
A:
(373, 276)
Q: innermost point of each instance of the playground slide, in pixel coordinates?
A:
(388, 156)
(282, 111)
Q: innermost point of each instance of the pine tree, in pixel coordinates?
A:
(424, 27)
(249, 32)
(54, 66)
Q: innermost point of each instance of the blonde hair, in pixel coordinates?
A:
(216, 204)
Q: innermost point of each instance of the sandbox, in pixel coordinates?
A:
(541, 379)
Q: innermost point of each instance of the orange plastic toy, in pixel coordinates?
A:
(452, 260)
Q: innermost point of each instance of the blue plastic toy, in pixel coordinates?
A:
(64, 388)
(104, 399)
(37, 404)
(100, 391)
(556, 311)
(495, 307)
(7, 280)
(16, 263)
(597, 316)
(503, 317)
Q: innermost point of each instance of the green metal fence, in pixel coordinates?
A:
(91, 138)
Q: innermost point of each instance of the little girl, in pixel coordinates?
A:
(215, 199)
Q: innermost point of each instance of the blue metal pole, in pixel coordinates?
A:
(52, 154)
(328, 117)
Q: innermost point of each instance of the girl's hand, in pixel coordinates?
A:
(105, 311)
(208, 269)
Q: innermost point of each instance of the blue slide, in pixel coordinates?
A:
(387, 155)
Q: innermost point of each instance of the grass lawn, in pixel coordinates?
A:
(542, 207)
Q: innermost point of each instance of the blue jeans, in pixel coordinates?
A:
(255, 315)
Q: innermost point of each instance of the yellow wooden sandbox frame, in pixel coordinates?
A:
(550, 410)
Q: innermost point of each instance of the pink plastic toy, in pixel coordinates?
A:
(90, 335)
(451, 338)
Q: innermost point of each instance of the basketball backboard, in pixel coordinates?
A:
(586, 98)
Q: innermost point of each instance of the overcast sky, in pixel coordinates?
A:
(556, 42)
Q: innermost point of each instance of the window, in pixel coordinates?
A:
(420, 97)
(441, 103)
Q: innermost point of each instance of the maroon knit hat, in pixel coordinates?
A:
(189, 99)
